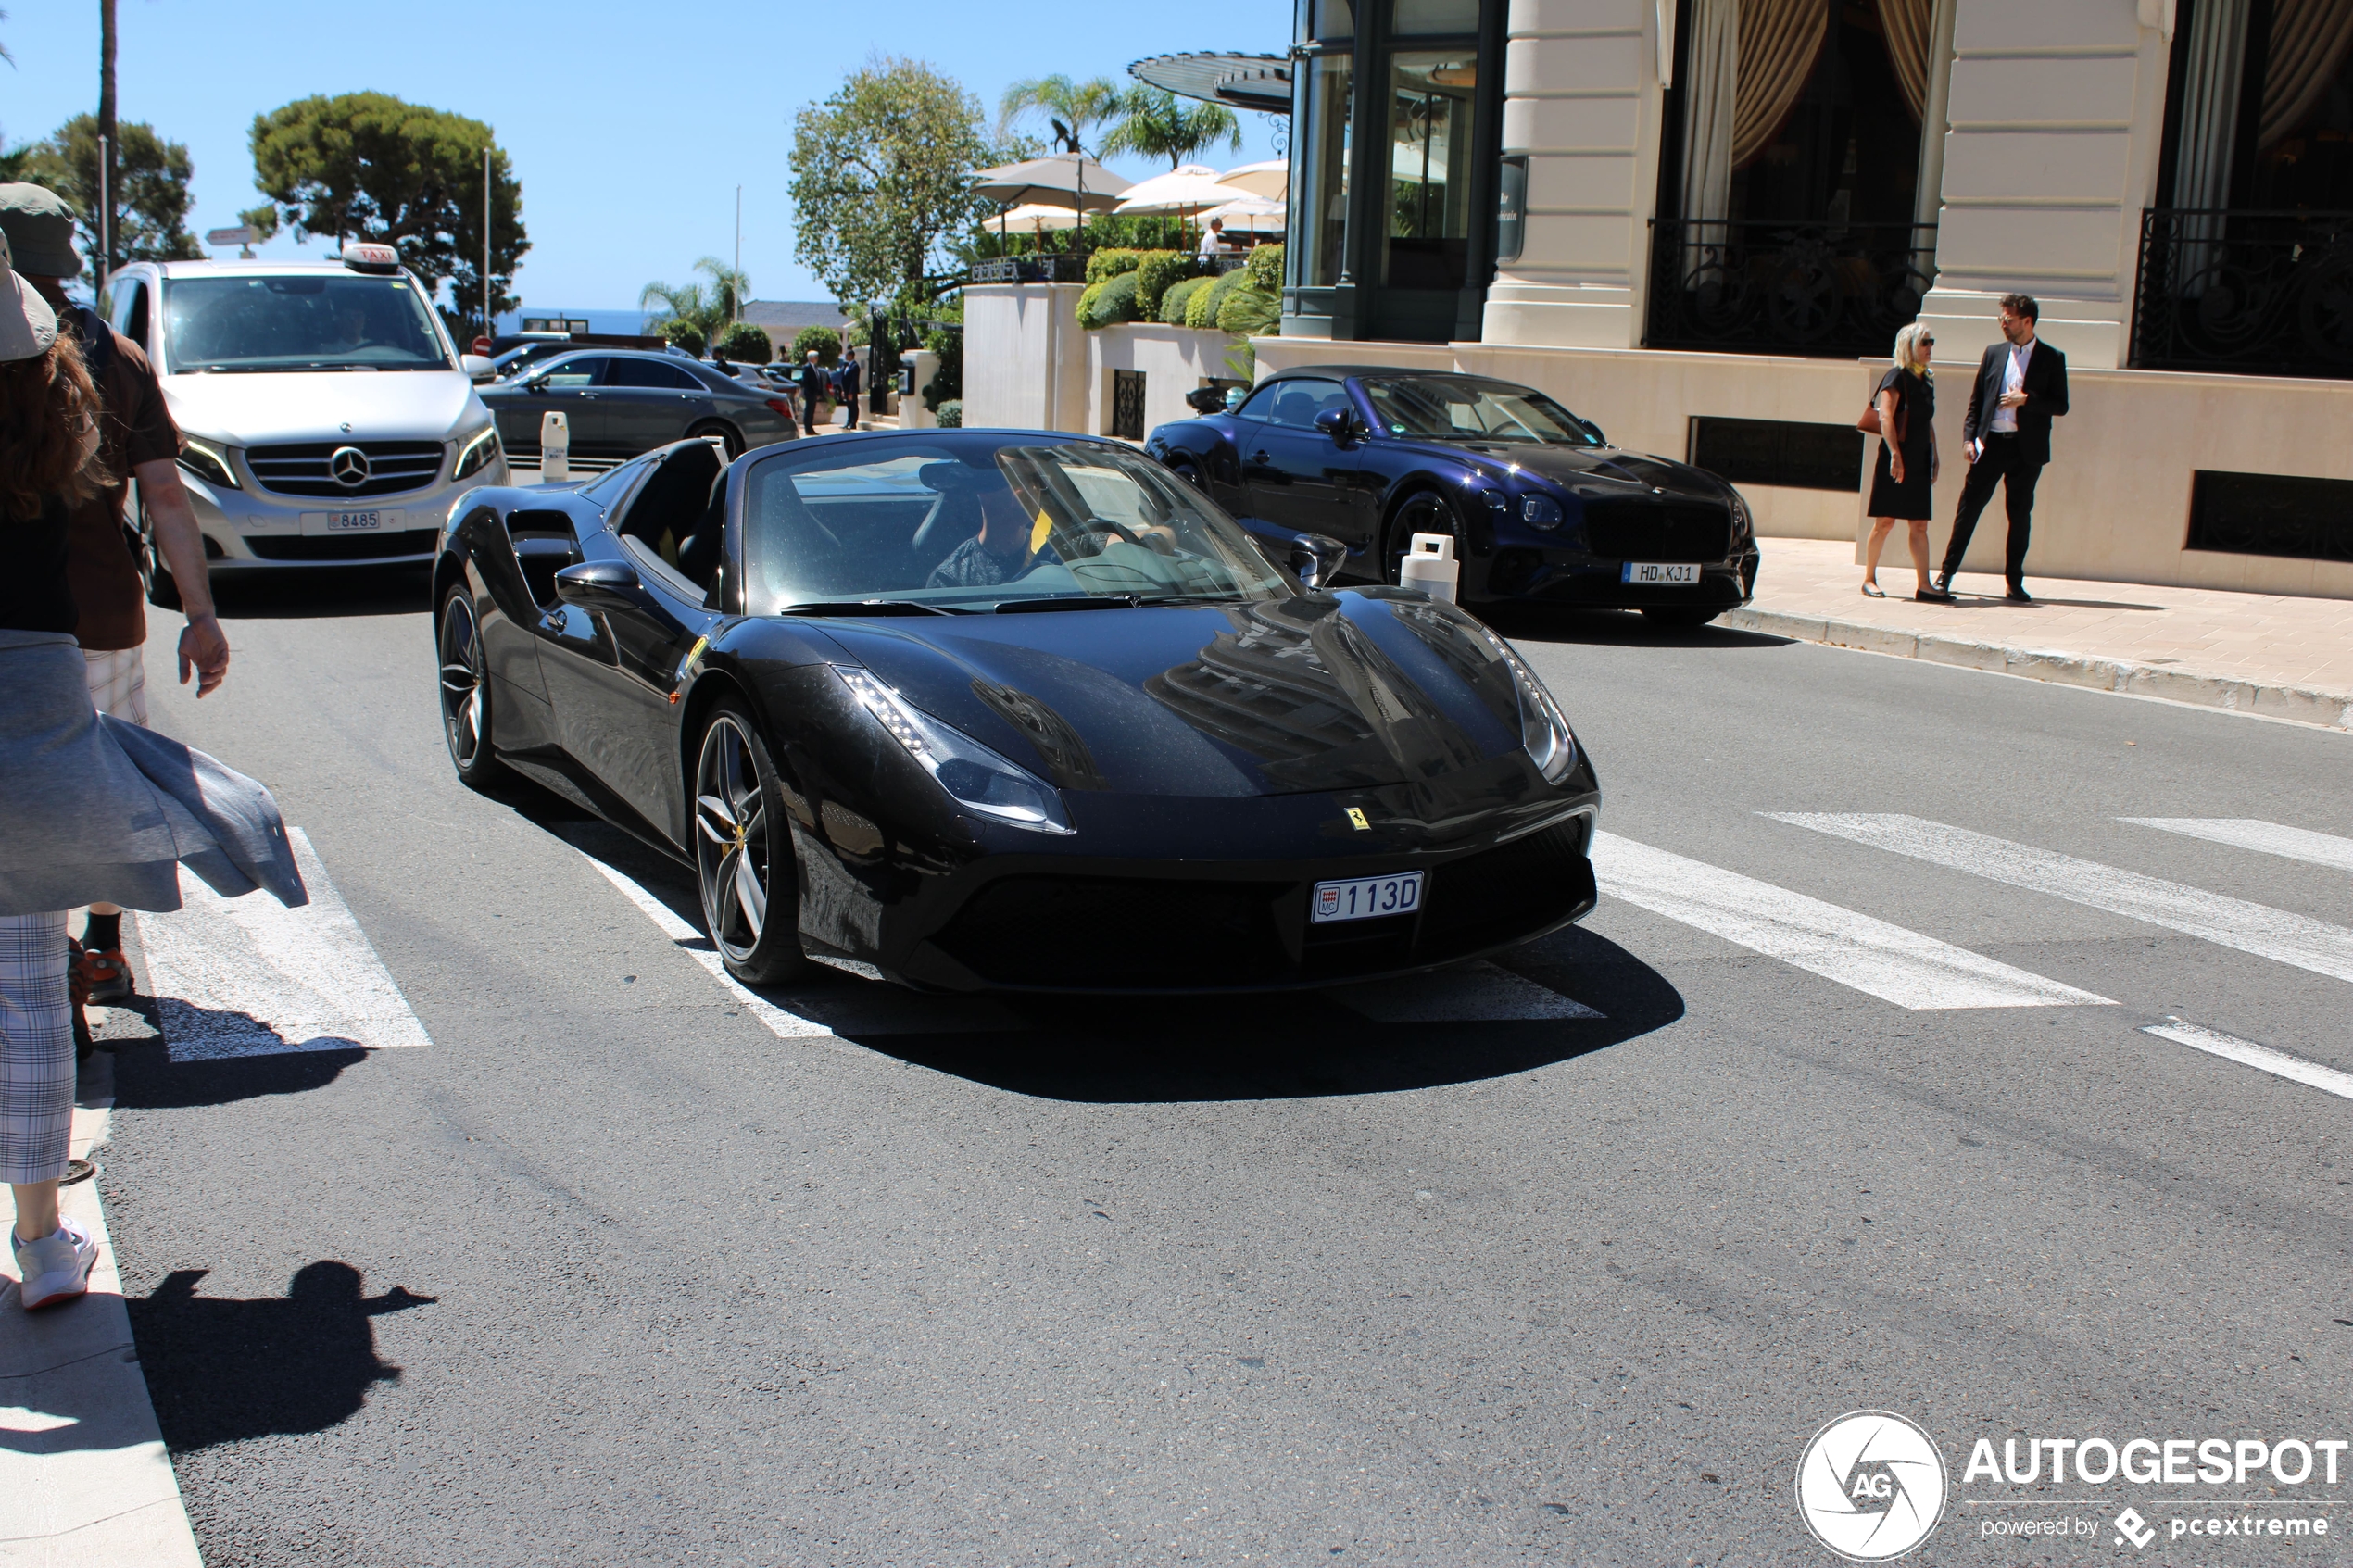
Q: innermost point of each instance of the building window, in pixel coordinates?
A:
(1430, 115)
(2270, 514)
(1780, 452)
(1319, 188)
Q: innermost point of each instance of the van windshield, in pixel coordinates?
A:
(298, 321)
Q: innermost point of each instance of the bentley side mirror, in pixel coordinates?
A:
(599, 584)
(1314, 560)
(1338, 423)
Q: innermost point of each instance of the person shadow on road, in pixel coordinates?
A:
(224, 1370)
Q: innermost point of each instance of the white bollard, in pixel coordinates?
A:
(1431, 565)
(555, 447)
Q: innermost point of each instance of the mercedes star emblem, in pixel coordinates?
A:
(349, 467)
(346, 427)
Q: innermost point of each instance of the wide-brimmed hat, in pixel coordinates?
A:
(40, 225)
(27, 325)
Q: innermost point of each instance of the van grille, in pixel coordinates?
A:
(304, 469)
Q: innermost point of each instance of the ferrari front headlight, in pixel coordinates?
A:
(974, 776)
(1544, 728)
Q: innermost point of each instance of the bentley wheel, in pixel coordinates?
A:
(465, 692)
(1425, 511)
(743, 853)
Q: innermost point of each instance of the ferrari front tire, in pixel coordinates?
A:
(743, 852)
(465, 691)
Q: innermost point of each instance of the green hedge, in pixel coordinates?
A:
(1158, 270)
(1109, 303)
(681, 333)
(824, 340)
(1266, 268)
(1105, 265)
(1250, 311)
(952, 414)
(1172, 303)
(1201, 309)
(745, 344)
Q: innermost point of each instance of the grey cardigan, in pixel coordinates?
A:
(92, 809)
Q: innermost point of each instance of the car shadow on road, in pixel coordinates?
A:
(1301, 1046)
(1615, 628)
(324, 591)
(224, 1370)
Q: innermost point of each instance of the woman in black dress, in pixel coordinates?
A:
(1906, 468)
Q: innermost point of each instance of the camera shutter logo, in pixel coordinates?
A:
(1871, 1485)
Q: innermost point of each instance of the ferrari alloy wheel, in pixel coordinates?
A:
(465, 692)
(743, 853)
(1425, 511)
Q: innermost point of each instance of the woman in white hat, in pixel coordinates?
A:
(95, 807)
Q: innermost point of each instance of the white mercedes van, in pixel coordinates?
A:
(327, 418)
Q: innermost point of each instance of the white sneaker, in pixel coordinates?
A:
(57, 1268)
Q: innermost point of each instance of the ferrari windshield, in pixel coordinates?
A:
(298, 321)
(983, 521)
(1446, 408)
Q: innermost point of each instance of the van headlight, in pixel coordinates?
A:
(974, 776)
(209, 462)
(476, 451)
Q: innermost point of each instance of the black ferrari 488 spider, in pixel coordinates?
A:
(1540, 506)
(985, 709)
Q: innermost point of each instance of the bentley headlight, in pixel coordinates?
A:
(1544, 728)
(207, 462)
(1539, 511)
(476, 451)
(974, 776)
(1742, 524)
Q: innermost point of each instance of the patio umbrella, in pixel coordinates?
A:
(1039, 215)
(1064, 180)
(1271, 179)
(1186, 189)
(1254, 213)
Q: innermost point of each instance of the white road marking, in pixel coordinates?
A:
(1856, 950)
(853, 1008)
(1471, 993)
(250, 977)
(2262, 1057)
(2270, 838)
(2267, 932)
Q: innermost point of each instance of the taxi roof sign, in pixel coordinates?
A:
(369, 258)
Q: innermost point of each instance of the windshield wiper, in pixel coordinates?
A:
(869, 606)
(1083, 601)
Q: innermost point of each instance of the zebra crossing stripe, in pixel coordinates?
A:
(250, 977)
(1856, 950)
(2247, 1053)
(2267, 932)
(787, 1025)
(2270, 838)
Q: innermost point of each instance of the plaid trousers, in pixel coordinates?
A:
(118, 681)
(36, 1049)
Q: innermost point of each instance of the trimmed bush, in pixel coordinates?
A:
(824, 340)
(1249, 311)
(1266, 269)
(952, 414)
(1105, 265)
(1153, 274)
(1109, 303)
(1201, 309)
(744, 343)
(1172, 303)
(683, 335)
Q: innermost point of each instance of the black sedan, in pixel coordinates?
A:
(1540, 506)
(620, 403)
(986, 710)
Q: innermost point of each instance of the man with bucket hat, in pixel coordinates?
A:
(138, 440)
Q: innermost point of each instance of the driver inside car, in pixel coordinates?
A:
(999, 552)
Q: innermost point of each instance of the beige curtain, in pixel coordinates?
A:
(1908, 25)
(1708, 90)
(1780, 41)
(2309, 42)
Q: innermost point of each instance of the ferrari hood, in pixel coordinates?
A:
(1596, 471)
(1327, 692)
(262, 409)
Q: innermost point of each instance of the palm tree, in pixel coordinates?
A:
(1070, 106)
(1156, 123)
(708, 309)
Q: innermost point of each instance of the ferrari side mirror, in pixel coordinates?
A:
(599, 584)
(1314, 560)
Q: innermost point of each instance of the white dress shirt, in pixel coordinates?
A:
(2006, 419)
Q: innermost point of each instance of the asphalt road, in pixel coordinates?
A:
(612, 1272)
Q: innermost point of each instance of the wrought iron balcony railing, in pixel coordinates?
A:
(1057, 266)
(2265, 293)
(1826, 290)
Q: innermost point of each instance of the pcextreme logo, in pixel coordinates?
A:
(1871, 1485)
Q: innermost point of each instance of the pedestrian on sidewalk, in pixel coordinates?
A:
(138, 439)
(1901, 483)
(845, 381)
(2021, 387)
(812, 377)
(96, 808)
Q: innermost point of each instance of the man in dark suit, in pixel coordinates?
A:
(846, 381)
(2021, 387)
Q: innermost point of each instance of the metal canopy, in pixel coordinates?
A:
(1246, 82)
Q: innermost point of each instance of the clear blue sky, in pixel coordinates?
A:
(629, 151)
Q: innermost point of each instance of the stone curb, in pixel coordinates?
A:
(2332, 711)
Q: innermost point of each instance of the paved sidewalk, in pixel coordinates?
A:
(84, 1480)
(2255, 653)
